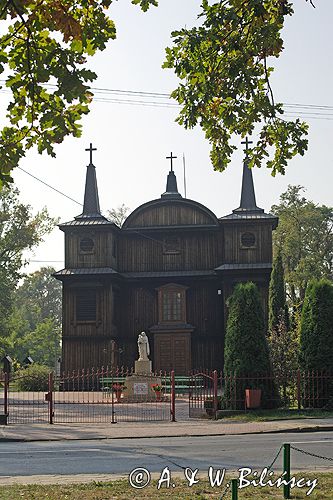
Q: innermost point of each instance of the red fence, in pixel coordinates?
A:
(88, 396)
(210, 391)
(115, 395)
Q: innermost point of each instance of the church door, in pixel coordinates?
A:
(172, 351)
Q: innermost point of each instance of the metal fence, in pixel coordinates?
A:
(109, 395)
(84, 396)
(212, 391)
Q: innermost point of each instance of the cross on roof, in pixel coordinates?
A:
(171, 158)
(91, 149)
(247, 142)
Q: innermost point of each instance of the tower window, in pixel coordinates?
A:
(86, 245)
(248, 240)
(86, 305)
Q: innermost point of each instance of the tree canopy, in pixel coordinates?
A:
(20, 230)
(223, 65)
(44, 57)
(34, 325)
(305, 238)
(118, 215)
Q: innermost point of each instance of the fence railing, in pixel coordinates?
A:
(98, 395)
(210, 391)
(87, 395)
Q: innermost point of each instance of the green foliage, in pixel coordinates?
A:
(20, 230)
(35, 323)
(246, 349)
(284, 348)
(316, 336)
(246, 352)
(43, 55)
(33, 378)
(277, 294)
(225, 88)
(39, 296)
(305, 238)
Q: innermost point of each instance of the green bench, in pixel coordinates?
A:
(106, 383)
(183, 384)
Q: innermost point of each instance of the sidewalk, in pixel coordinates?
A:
(122, 430)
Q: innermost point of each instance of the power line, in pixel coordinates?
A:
(160, 95)
(32, 260)
(49, 186)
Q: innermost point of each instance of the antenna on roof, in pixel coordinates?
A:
(184, 174)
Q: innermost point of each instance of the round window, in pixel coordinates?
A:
(248, 240)
(86, 245)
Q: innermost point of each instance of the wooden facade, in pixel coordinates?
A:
(168, 271)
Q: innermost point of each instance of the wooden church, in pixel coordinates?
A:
(167, 271)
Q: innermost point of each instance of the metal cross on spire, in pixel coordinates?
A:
(91, 149)
(247, 142)
(171, 158)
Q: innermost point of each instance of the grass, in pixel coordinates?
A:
(271, 415)
(121, 490)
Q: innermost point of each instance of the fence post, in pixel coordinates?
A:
(298, 390)
(234, 489)
(173, 397)
(215, 393)
(113, 420)
(50, 397)
(5, 393)
(286, 469)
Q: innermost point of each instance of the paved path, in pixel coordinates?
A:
(57, 432)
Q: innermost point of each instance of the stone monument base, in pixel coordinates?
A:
(142, 367)
(139, 388)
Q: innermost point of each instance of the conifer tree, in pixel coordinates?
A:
(316, 335)
(246, 349)
(316, 344)
(277, 296)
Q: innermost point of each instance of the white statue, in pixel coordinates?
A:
(143, 346)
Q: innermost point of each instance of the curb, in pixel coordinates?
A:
(289, 430)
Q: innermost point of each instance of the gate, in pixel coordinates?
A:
(22, 403)
(203, 394)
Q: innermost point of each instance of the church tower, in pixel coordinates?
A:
(89, 283)
(247, 242)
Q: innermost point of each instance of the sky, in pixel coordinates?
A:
(133, 140)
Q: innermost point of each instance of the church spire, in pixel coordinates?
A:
(248, 197)
(91, 209)
(171, 187)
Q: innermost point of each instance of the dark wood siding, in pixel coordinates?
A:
(141, 252)
(169, 215)
(235, 253)
(101, 256)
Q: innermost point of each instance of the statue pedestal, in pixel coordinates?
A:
(139, 387)
(142, 367)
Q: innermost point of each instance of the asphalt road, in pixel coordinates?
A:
(123, 455)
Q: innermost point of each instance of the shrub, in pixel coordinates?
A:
(246, 349)
(33, 378)
(316, 342)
